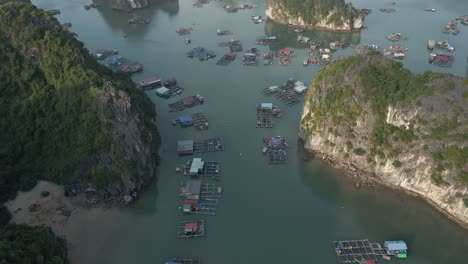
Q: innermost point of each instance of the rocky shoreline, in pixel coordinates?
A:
(368, 180)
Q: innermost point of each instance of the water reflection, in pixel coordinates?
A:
(288, 37)
(118, 19)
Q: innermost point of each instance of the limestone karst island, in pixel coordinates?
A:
(233, 131)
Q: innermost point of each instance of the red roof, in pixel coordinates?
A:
(443, 58)
(190, 202)
(148, 81)
(285, 50)
(231, 54)
(370, 261)
(192, 226)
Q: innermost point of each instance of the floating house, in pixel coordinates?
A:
(197, 166)
(300, 89)
(267, 106)
(163, 92)
(148, 82)
(397, 248)
(185, 147)
(186, 120)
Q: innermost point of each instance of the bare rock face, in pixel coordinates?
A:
(7, 1)
(315, 14)
(129, 4)
(379, 122)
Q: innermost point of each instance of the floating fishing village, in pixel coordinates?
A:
(201, 187)
(201, 162)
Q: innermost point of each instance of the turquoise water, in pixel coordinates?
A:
(269, 214)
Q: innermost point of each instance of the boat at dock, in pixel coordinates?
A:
(430, 9)
(124, 65)
(104, 53)
(92, 5)
(53, 12)
(226, 59)
(267, 40)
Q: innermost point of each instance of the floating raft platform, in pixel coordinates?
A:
(201, 53)
(226, 59)
(184, 261)
(186, 102)
(211, 191)
(199, 121)
(210, 169)
(354, 251)
(275, 147)
(290, 92)
(202, 207)
(191, 229)
(265, 114)
(208, 145)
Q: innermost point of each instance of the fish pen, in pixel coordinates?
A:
(226, 59)
(191, 229)
(199, 121)
(275, 148)
(186, 102)
(354, 251)
(289, 92)
(201, 207)
(211, 191)
(210, 169)
(201, 53)
(208, 145)
(235, 46)
(184, 261)
(264, 118)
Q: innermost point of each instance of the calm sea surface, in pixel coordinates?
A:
(269, 214)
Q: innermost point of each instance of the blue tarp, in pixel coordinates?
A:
(276, 140)
(185, 119)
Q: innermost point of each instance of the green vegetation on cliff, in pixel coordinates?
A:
(384, 111)
(48, 96)
(313, 11)
(26, 244)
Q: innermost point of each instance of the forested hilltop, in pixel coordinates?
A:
(65, 118)
(380, 122)
(320, 14)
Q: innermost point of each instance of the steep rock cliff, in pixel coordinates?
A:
(319, 14)
(67, 118)
(379, 122)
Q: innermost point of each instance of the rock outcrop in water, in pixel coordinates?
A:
(379, 122)
(318, 14)
(134, 4)
(67, 118)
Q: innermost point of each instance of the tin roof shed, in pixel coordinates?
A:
(300, 89)
(193, 187)
(395, 246)
(267, 105)
(185, 147)
(197, 166)
(190, 227)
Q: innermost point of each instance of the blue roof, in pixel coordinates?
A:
(396, 245)
(185, 118)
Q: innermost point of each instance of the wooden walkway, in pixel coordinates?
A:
(264, 117)
(354, 251)
(206, 207)
(199, 121)
(208, 145)
(285, 93)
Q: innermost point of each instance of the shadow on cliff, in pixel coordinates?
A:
(288, 37)
(118, 19)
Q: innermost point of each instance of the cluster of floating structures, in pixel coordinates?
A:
(197, 120)
(366, 252)
(387, 10)
(289, 92)
(463, 20)
(186, 102)
(275, 149)
(183, 31)
(395, 37)
(441, 45)
(201, 53)
(265, 114)
(395, 51)
(123, 65)
(442, 60)
(234, 9)
(451, 28)
(200, 3)
(267, 40)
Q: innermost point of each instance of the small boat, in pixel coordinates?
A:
(431, 44)
(306, 62)
(430, 9)
(298, 30)
(386, 257)
(264, 150)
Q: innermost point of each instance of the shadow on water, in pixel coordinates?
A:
(386, 214)
(118, 19)
(287, 36)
